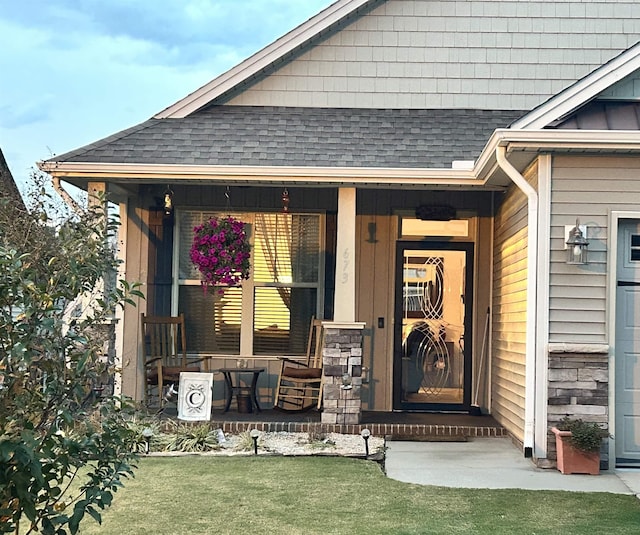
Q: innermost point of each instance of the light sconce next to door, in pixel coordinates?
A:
(167, 202)
(576, 243)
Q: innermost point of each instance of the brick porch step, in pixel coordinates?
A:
(399, 426)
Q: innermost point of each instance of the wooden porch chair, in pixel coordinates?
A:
(164, 351)
(300, 382)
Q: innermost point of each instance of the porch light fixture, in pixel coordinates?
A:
(365, 434)
(167, 203)
(254, 433)
(577, 245)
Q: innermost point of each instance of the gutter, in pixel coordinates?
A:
(532, 291)
(57, 186)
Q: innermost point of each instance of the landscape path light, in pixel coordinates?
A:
(147, 433)
(254, 435)
(365, 434)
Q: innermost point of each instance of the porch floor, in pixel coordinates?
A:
(395, 425)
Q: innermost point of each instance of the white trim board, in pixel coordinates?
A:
(612, 276)
(262, 59)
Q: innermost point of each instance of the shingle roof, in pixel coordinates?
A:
(314, 137)
(8, 187)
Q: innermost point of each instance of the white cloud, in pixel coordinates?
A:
(79, 70)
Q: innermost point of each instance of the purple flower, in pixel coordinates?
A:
(221, 251)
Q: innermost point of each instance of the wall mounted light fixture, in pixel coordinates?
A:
(577, 244)
(167, 203)
(346, 382)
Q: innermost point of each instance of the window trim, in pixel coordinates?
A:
(248, 293)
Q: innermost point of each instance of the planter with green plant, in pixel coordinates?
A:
(578, 446)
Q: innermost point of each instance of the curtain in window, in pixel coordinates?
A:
(272, 252)
(282, 292)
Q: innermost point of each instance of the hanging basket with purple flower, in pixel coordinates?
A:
(221, 251)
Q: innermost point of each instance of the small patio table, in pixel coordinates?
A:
(237, 388)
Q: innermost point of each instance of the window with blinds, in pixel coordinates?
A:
(282, 294)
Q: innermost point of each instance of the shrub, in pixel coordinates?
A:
(57, 433)
(192, 438)
(585, 436)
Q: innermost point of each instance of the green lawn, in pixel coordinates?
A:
(308, 495)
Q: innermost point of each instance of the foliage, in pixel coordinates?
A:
(317, 434)
(192, 438)
(585, 436)
(221, 251)
(57, 432)
(245, 442)
(139, 426)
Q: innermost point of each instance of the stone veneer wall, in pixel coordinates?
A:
(342, 354)
(578, 388)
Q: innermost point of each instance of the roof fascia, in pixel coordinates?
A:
(582, 91)
(545, 140)
(615, 140)
(262, 59)
(258, 174)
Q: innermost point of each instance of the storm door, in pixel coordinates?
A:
(432, 353)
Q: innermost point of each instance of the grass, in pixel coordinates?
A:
(322, 495)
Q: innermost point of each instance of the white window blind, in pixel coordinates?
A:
(284, 290)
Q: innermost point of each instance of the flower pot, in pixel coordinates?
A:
(574, 461)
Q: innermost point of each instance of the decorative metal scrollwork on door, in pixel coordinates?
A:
(425, 350)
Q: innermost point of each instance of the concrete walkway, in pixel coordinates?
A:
(492, 463)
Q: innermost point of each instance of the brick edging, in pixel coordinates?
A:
(397, 430)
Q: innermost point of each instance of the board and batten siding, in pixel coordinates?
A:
(375, 261)
(588, 187)
(509, 312)
(457, 54)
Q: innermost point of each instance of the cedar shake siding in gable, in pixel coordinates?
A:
(452, 54)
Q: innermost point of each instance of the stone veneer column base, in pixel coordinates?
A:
(578, 388)
(342, 356)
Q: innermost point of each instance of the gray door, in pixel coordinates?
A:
(627, 432)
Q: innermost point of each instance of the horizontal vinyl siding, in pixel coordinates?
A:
(479, 54)
(510, 311)
(588, 187)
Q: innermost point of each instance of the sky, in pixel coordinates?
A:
(75, 71)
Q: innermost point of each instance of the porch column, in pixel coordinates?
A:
(97, 192)
(345, 282)
(342, 372)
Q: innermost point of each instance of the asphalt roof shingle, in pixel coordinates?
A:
(312, 137)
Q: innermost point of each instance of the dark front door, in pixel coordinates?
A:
(432, 354)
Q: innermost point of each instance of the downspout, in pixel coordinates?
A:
(532, 291)
(65, 196)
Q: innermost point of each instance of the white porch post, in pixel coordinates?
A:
(342, 347)
(345, 283)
